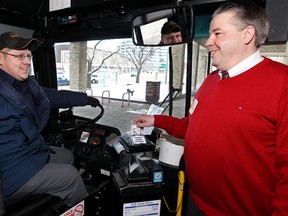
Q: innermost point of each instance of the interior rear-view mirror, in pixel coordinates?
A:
(163, 27)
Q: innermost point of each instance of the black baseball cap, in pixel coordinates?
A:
(14, 40)
(169, 27)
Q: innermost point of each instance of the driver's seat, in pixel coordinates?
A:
(40, 205)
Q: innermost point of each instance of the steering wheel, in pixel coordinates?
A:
(67, 116)
(66, 123)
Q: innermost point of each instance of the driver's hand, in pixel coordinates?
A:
(94, 102)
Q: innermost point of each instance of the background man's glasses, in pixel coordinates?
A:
(21, 57)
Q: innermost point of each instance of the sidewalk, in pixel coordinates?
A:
(117, 91)
(119, 112)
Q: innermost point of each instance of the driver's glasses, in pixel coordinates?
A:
(20, 57)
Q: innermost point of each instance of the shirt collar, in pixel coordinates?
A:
(245, 65)
(20, 86)
(10, 79)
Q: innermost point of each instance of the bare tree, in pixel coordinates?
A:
(138, 56)
(90, 57)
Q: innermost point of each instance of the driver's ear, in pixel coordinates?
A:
(162, 38)
(1, 58)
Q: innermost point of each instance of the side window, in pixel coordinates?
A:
(116, 69)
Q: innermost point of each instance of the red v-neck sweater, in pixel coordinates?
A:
(236, 143)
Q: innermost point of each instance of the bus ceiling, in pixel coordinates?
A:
(74, 20)
(88, 20)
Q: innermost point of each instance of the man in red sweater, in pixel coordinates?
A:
(236, 134)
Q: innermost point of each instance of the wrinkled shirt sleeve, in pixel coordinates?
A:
(176, 127)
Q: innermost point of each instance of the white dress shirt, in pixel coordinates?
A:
(244, 65)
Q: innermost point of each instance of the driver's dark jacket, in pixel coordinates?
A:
(23, 151)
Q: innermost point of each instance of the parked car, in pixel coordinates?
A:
(62, 72)
(133, 74)
(61, 80)
(103, 76)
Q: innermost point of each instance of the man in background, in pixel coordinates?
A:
(171, 33)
